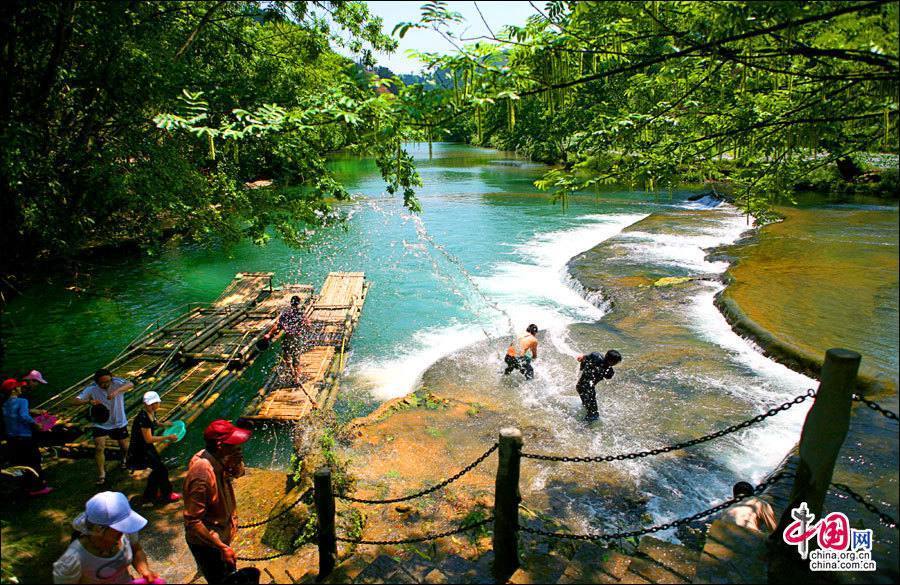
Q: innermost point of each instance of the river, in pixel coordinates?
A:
(488, 256)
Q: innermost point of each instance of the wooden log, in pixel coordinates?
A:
(823, 435)
(506, 505)
(325, 510)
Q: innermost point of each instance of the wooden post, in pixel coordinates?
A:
(506, 505)
(820, 443)
(324, 498)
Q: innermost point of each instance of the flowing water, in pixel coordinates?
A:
(487, 257)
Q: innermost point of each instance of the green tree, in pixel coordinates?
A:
(84, 163)
(759, 95)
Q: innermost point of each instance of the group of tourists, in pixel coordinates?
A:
(105, 544)
(593, 368)
(20, 427)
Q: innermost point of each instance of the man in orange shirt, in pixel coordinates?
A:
(210, 523)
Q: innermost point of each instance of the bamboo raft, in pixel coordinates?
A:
(333, 316)
(189, 360)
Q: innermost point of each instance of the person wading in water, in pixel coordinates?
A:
(522, 363)
(594, 368)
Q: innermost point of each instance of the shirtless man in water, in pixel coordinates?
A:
(529, 344)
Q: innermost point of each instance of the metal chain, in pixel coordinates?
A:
(875, 407)
(434, 488)
(673, 524)
(276, 516)
(420, 538)
(885, 519)
(640, 454)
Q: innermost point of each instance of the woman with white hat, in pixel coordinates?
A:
(142, 452)
(106, 545)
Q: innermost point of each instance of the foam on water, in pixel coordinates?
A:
(533, 288)
(767, 443)
(687, 251)
(705, 202)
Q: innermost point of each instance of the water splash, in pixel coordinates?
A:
(421, 248)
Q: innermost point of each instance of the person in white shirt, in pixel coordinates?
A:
(108, 415)
(106, 544)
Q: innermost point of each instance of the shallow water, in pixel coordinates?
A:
(685, 372)
(848, 256)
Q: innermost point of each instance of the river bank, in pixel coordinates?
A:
(490, 256)
(639, 302)
(831, 250)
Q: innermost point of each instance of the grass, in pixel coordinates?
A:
(434, 432)
(473, 517)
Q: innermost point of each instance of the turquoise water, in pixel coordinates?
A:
(488, 256)
(475, 209)
(420, 304)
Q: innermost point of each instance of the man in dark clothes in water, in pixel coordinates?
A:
(594, 368)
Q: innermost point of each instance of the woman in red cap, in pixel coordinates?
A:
(19, 433)
(210, 522)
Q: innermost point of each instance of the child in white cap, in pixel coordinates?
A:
(142, 453)
(106, 545)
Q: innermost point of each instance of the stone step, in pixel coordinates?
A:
(733, 554)
(679, 560)
(655, 561)
(347, 571)
(594, 564)
(384, 569)
(651, 572)
(543, 569)
(631, 578)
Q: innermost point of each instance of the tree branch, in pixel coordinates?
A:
(710, 45)
(206, 18)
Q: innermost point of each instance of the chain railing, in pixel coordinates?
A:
(417, 539)
(828, 416)
(427, 491)
(658, 528)
(276, 516)
(885, 519)
(677, 446)
(877, 408)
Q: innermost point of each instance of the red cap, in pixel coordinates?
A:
(11, 384)
(226, 433)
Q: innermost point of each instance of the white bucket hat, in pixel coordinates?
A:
(151, 397)
(110, 509)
